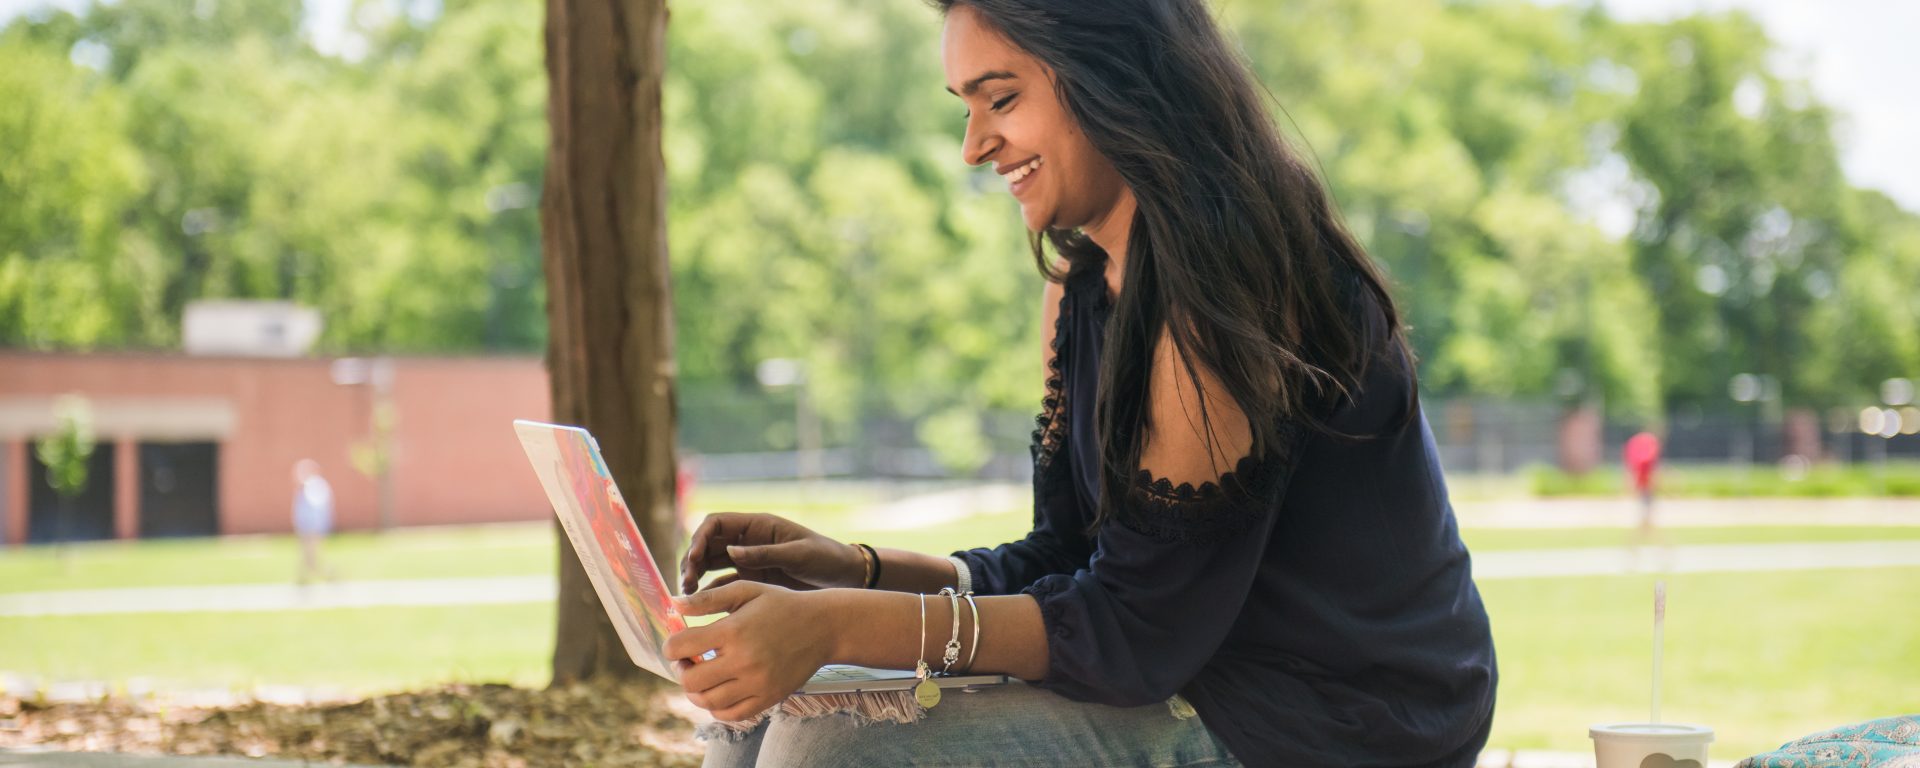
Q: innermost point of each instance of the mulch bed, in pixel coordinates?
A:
(454, 726)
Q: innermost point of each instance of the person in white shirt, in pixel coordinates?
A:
(312, 518)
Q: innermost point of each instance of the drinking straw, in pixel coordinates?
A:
(1659, 626)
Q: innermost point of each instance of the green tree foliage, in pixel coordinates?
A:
(67, 449)
(68, 174)
(1568, 204)
(393, 192)
(1752, 221)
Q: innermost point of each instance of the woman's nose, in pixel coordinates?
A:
(978, 144)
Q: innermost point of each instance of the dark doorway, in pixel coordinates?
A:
(179, 489)
(89, 516)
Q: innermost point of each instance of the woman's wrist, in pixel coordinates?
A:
(915, 572)
(840, 611)
(855, 567)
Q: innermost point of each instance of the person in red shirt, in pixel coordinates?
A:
(1642, 457)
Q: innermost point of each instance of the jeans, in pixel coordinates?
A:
(1015, 725)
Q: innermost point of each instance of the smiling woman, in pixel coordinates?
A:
(1238, 512)
(1019, 134)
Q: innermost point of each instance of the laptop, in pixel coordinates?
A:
(618, 562)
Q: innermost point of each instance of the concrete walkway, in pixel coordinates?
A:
(1702, 558)
(1623, 512)
(947, 506)
(1511, 564)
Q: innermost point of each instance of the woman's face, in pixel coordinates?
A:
(1016, 121)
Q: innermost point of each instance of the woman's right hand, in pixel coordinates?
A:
(768, 549)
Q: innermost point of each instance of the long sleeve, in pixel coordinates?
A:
(1057, 543)
(1166, 582)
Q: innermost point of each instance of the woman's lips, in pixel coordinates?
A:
(1020, 178)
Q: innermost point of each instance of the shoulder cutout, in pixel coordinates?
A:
(1181, 446)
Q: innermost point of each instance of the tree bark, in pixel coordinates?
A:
(609, 309)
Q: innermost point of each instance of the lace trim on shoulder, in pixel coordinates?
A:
(1050, 427)
(1216, 510)
(1163, 490)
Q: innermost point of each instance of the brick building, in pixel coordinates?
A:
(191, 445)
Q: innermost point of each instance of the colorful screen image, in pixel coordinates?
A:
(585, 497)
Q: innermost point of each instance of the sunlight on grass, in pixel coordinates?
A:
(356, 650)
(1763, 657)
(453, 552)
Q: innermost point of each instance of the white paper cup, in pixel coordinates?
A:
(1650, 745)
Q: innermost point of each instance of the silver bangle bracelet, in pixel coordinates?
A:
(974, 652)
(952, 652)
(963, 575)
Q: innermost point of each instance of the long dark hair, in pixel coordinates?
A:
(1236, 249)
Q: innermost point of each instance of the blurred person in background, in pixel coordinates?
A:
(1641, 455)
(312, 518)
(1243, 550)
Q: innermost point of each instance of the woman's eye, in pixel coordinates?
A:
(996, 106)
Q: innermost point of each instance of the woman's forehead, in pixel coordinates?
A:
(972, 49)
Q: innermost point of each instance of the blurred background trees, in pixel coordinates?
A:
(1571, 206)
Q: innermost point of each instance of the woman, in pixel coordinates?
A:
(1237, 507)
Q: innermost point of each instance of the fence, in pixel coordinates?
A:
(749, 434)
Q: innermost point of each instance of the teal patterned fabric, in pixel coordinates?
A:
(1890, 743)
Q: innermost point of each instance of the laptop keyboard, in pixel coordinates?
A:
(841, 672)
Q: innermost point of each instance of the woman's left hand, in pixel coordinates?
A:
(769, 645)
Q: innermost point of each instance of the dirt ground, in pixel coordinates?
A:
(455, 726)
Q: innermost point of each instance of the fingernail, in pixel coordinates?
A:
(733, 550)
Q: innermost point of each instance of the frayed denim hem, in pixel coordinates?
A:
(724, 731)
(864, 709)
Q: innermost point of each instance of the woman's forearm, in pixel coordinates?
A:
(882, 629)
(907, 571)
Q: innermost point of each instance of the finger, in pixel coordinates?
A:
(692, 565)
(714, 529)
(748, 707)
(719, 528)
(700, 678)
(692, 642)
(768, 556)
(722, 581)
(724, 599)
(725, 696)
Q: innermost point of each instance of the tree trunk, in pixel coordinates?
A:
(604, 232)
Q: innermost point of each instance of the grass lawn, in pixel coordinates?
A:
(1763, 657)
(515, 549)
(1899, 477)
(1492, 539)
(528, 549)
(502, 550)
(357, 650)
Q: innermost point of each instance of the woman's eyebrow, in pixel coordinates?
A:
(974, 85)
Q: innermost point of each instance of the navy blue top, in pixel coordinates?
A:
(1315, 606)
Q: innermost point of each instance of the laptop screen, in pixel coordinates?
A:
(603, 534)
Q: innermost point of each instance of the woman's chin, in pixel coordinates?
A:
(1037, 220)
